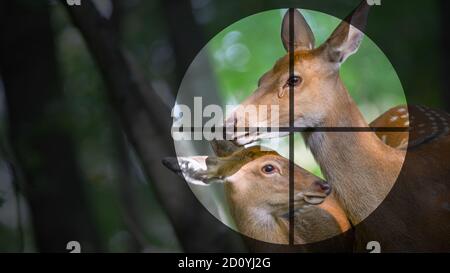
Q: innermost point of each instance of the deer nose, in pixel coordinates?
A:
(323, 186)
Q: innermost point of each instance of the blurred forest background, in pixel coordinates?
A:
(86, 94)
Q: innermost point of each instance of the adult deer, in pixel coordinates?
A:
(361, 168)
(257, 189)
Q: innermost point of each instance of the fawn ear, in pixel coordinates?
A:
(303, 35)
(223, 148)
(198, 170)
(347, 37)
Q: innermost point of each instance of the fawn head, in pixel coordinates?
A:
(254, 176)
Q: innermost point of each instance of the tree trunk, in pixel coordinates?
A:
(39, 135)
(184, 33)
(148, 129)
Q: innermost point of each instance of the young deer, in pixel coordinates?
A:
(257, 189)
(361, 168)
(314, 221)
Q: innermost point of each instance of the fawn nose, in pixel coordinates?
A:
(323, 186)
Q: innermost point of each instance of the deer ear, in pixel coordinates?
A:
(347, 37)
(303, 35)
(198, 170)
(223, 148)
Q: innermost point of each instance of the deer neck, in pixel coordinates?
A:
(254, 220)
(359, 166)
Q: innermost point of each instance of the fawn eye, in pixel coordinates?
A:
(294, 81)
(268, 169)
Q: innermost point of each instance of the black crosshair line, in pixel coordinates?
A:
(291, 134)
(294, 129)
(291, 125)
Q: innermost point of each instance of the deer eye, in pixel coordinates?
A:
(268, 169)
(294, 81)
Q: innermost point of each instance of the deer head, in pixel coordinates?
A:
(315, 79)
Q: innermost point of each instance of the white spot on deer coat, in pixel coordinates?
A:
(393, 118)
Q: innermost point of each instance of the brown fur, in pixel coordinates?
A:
(360, 166)
(259, 204)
